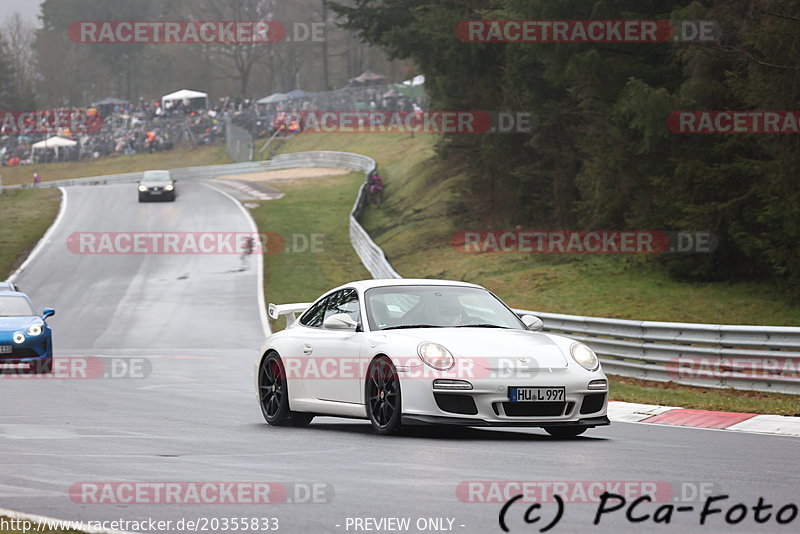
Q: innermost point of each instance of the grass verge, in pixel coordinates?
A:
(726, 400)
(183, 156)
(319, 206)
(423, 209)
(25, 215)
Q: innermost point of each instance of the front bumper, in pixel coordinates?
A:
(162, 195)
(590, 422)
(488, 403)
(32, 350)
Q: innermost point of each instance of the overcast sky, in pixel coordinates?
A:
(29, 9)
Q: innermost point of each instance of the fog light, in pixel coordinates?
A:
(601, 383)
(444, 383)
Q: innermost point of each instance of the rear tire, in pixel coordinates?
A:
(565, 431)
(384, 402)
(274, 395)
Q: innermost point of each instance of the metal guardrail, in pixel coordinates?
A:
(762, 358)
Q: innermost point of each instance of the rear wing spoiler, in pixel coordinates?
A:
(293, 310)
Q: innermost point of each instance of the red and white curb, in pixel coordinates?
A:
(630, 412)
(250, 193)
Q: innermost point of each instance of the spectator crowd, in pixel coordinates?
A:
(146, 126)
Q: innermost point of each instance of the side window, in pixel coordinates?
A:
(345, 301)
(313, 316)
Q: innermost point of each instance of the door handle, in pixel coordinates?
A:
(307, 349)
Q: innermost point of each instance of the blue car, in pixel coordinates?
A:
(24, 336)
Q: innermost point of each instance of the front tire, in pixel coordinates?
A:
(565, 431)
(384, 402)
(274, 395)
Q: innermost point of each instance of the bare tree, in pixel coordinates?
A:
(236, 60)
(19, 37)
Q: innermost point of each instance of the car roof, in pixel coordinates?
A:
(5, 293)
(363, 285)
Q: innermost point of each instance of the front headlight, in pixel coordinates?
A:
(143, 188)
(436, 356)
(585, 356)
(170, 187)
(19, 337)
(35, 330)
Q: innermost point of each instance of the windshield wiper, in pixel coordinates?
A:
(411, 326)
(480, 325)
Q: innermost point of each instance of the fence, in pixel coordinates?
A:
(763, 358)
(238, 142)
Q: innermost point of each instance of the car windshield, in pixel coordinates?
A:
(156, 177)
(15, 306)
(397, 307)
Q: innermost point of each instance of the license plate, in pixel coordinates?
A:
(525, 394)
(155, 192)
(5, 349)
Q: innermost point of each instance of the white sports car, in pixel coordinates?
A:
(425, 351)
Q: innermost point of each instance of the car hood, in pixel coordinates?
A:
(15, 324)
(490, 348)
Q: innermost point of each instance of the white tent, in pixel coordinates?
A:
(415, 81)
(183, 95)
(54, 142)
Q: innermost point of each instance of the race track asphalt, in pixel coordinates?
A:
(194, 321)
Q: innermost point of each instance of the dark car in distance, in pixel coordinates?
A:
(157, 185)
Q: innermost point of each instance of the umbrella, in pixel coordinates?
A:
(273, 98)
(111, 101)
(298, 93)
(368, 77)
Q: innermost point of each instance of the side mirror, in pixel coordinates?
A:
(339, 321)
(48, 312)
(532, 322)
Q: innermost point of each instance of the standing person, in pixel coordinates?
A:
(36, 179)
(376, 189)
